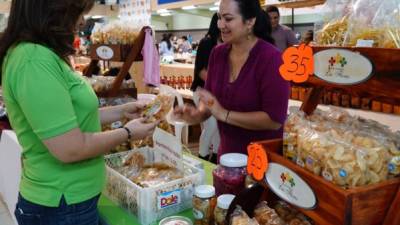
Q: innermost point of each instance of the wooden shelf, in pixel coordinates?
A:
(383, 85)
(298, 4)
(369, 205)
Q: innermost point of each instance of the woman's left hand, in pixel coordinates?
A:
(211, 102)
(132, 110)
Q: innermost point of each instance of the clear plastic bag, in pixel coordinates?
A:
(375, 20)
(115, 32)
(240, 217)
(312, 149)
(290, 215)
(266, 216)
(346, 166)
(334, 24)
(293, 123)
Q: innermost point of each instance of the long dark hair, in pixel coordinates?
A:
(213, 31)
(250, 9)
(166, 38)
(47, 22)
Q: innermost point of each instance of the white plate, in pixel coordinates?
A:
(340, 66)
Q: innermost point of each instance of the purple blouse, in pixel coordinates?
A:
(259, 87)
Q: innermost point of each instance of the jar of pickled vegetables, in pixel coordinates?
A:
(204, 202)
(223, 203)
(229, 177)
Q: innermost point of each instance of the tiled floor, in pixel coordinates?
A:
(5, 218)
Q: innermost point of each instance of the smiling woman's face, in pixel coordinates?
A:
(230, 22)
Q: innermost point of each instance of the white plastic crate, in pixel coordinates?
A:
(152, 203)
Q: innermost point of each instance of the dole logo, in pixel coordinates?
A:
(166, 201)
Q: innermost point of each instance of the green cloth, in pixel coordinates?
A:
(45, 99)
(115, 215)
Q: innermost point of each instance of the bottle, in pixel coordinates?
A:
(204, 202)
(223, 203)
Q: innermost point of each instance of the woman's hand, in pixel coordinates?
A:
(140, 129)
(132, 110)
(188, 113)
(212, 104)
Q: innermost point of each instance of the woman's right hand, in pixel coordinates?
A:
(140, 129)
(188, 113)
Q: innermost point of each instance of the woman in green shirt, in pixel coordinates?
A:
(55, 115)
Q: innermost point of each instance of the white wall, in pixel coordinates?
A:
(182, 21)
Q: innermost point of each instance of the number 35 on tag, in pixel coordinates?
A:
(298, 64)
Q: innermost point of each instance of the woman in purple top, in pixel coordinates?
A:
(244, 90)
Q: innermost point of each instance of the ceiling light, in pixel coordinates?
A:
(165, 14)
(216, 8)
(189, 7)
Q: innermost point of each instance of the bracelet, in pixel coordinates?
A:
(129, 132)
(227, 115)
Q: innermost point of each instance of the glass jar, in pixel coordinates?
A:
(204, 202)
(223, 203)
(229, 176)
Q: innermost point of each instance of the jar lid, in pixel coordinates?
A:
(224, 201)
(204, 191)
(176, 220)
(233, 160)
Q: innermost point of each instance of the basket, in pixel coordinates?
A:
(152, 203)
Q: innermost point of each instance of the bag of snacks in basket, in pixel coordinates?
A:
(240, 217)
(346, 165)
(312, 147)
(290, 215)
(266, 216)
(293, 123)
(375, 21)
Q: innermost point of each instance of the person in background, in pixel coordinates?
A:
(165, 46)
(54, 113)
(185, 46)
(244, 90)
(211, 39)
(284, 37)
(308, 37)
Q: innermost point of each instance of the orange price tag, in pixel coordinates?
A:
(257, 163)
(298, 64)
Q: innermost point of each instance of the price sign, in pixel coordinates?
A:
(298, 64)
(257, 162)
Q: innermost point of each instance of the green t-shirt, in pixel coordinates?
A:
(45, 99)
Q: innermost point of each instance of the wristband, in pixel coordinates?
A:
(129, 132)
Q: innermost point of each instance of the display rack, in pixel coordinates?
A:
(370, 205)
(298, 3)
(120, 53)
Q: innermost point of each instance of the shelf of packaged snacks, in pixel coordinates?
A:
(115, 215)
(121, 53)
(391, 121)
(297, 3)
(359, 205)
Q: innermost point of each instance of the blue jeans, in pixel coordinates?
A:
(84, 213)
